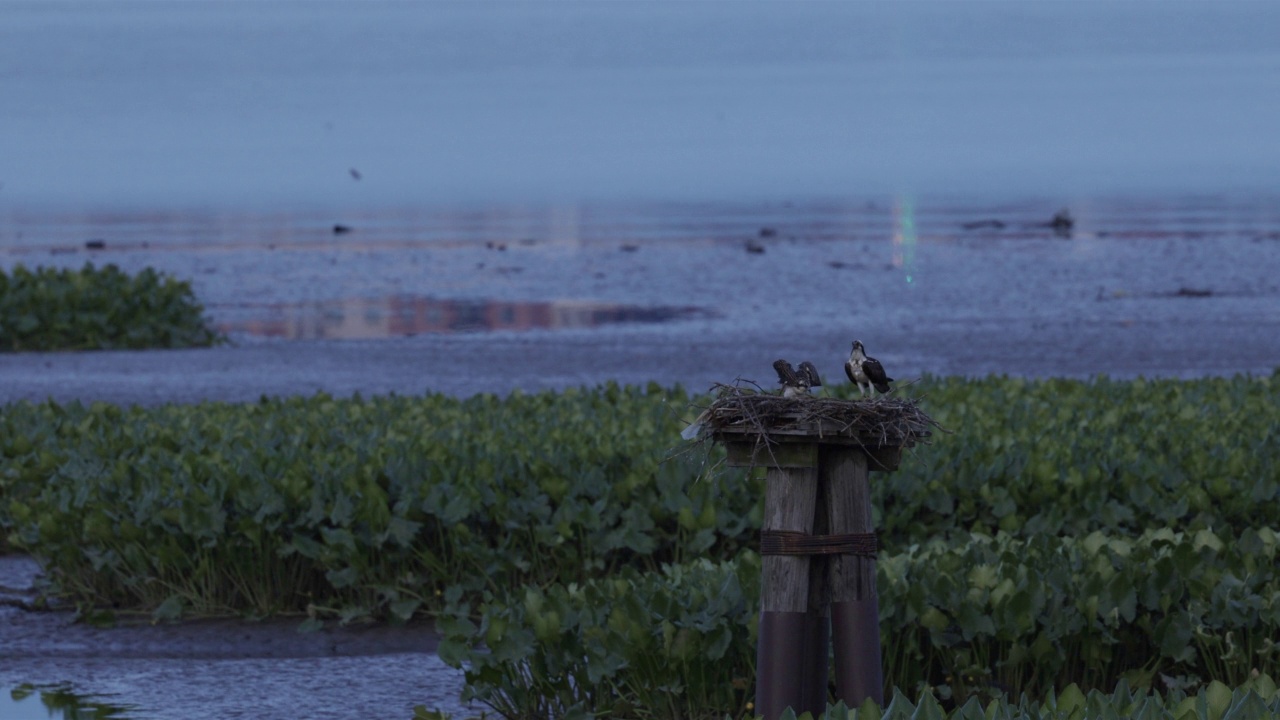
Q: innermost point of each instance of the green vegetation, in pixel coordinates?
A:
(1254, 700)
(580, 559)
(680, 644)
(356, 508)
(993, 615)
(98, 309)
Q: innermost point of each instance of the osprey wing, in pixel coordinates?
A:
(810, 374)
(848, 370)
(875, 373)
(786, 373)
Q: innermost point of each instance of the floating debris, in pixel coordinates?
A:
(1062, 223)
(983, 224)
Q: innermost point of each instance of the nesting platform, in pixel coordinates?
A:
(759, 429)
(817, 541)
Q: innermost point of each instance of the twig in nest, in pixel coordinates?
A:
(881, 421)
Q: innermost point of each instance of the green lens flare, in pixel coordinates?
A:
(904, 237)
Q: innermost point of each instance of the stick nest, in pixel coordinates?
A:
(884, 420)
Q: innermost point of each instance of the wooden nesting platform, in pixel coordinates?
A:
(764, 430)
(818, 545)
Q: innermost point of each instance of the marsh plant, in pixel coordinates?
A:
(1063, 532)
(98, 309)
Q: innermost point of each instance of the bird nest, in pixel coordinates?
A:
(750, 413)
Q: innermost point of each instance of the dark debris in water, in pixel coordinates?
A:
(1193, 292)
(984, 225)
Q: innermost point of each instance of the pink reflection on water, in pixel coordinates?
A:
(397, 316)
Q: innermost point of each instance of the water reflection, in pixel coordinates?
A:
(29, 702)
(396, 316)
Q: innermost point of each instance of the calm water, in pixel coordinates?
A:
(566, 266)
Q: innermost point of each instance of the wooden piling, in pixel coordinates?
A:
(817, 490)
(855, 609)
(790, 496)
(817, 542)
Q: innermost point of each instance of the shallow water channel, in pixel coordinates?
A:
(51, 667)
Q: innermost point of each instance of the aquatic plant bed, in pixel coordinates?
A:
(1256, 699)
(983, 618)
(98, 309)
(1061, 532)
(356, 508)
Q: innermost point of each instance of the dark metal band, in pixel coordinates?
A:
(786, 542)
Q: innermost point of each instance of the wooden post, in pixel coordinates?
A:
(785, 656)
(855, 609)
(790, 495)
(816, 486)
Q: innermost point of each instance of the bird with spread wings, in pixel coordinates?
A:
(796, 382)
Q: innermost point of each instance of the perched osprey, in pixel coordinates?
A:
(866, 371)
(796, 382)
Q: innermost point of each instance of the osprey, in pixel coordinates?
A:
(796, 382)
(866, 371)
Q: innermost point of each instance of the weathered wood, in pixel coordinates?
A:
(790, 495)
(819, 574)
(847, 496)
(855, 623)
(749, 449)
(793, 424)
(777, 455)
(816, 483)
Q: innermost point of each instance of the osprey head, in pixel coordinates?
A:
(857, 346)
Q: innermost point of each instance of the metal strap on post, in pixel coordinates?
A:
(781, 542)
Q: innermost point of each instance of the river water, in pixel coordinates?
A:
(461, 197)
